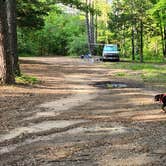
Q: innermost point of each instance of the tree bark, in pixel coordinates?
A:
(141, 41)
(92, 28)
(88, 28)
(132, 43)
(164, 50)
(6, 65)
(11, 18)
(96, 27)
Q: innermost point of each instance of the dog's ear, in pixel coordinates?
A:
(158, 97)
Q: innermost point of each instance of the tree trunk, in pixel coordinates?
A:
(11, 18)
(132, 43)
(92, 28)
(96, 27)
(6, 65)
(141, 41)
(164, 50)
(88, 29)
(162, 36)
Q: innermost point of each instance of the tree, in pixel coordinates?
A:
(12, 27)
(142, 8)
(30, 13)
(6, 65)
(88, 28)
(119, 23)
(158, 12)
(90, 19)
(124, 21)
(97, 22)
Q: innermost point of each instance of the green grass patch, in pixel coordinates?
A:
(24, 79)
(149, 72)
(154, 77)
(121, 74)
(148, 59)
(132, 66)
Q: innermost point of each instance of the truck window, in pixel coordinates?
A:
(110, 48)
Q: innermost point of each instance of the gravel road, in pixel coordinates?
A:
(80, 114)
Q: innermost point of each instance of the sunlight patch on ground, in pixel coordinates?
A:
(69, 102)
(40, 127)
(45, 114)
(150, 117)
(135, 159)
(98, 130)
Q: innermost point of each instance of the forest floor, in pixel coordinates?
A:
(80, 114)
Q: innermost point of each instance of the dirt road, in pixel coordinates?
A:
(80, 114)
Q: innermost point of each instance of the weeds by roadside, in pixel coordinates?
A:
(24, 79)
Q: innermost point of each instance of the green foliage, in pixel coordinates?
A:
(121, 74)
(63, 34)
(44, 29)
(125, 25)
(80, 5)
(158, 11)
(27, 43)
(78, 46)
(24, 79)
(30, 13)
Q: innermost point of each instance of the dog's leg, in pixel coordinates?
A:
(163, 106)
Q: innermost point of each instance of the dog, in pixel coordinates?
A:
(162, 99)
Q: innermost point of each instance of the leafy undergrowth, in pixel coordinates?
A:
(25, 79)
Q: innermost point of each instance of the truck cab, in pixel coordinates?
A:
(110, 52)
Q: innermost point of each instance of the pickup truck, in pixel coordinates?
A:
(110, 52)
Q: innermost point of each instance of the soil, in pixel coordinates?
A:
(80, 114)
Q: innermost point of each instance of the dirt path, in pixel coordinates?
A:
(72, 118)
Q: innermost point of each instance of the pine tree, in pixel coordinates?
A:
(6, 64)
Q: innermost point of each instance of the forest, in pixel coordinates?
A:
(76, 27)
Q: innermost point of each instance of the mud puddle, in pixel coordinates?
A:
(117, 85)
(112, 84)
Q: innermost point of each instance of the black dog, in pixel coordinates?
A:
(162, 99)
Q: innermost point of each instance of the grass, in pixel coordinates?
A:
(24, 79)
(133, 65)
(150, 72)
(121, 74)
